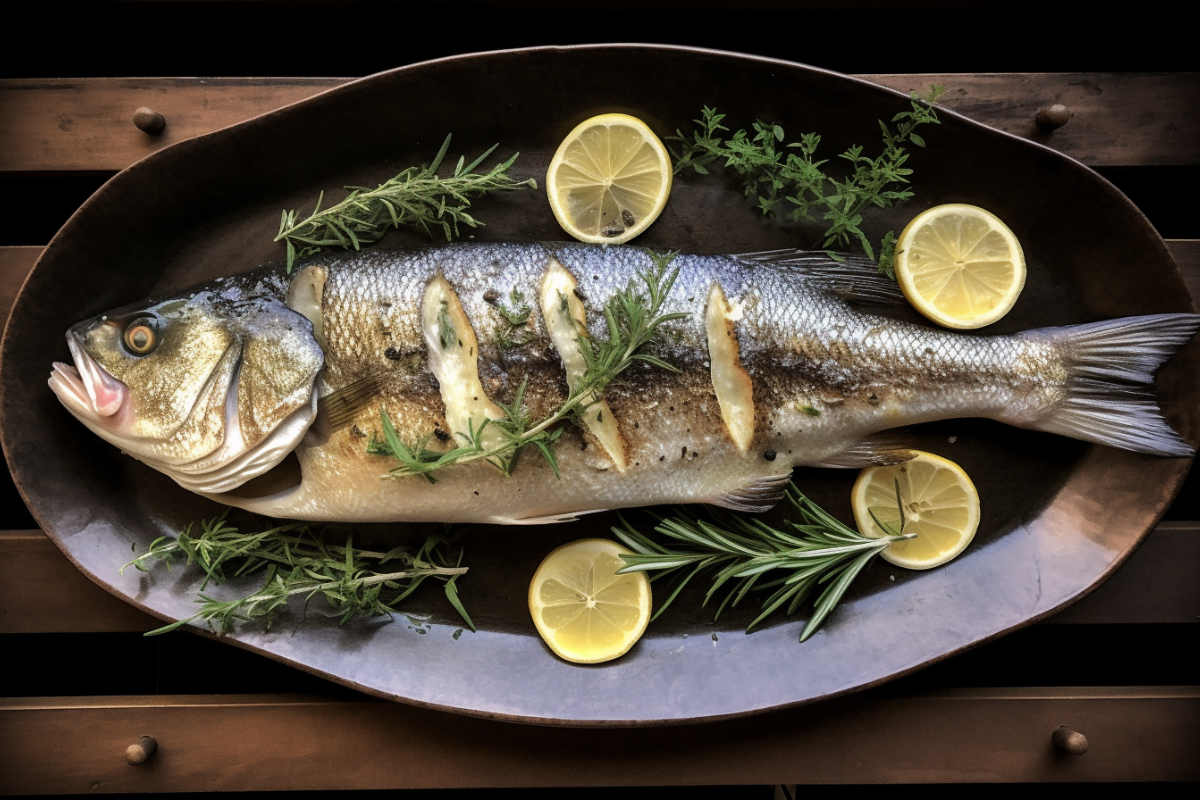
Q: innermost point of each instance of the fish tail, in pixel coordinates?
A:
(1110, 377)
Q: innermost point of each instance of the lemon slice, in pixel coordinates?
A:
(582, 608)
(941, 506)
(609, 179)
(960, 266)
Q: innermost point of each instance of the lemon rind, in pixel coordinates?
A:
(862, 519)
(660, 201)
(546, 633)
(926, 307)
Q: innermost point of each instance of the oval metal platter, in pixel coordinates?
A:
(1058, 515)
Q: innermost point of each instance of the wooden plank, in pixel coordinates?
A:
(1157, 584)
(274, 743)
(15, 263)
(42, 592)
(87, 124)
(1118, 119)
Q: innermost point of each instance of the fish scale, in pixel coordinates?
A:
(827, 377)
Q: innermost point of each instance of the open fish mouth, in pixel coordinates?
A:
(87, 389)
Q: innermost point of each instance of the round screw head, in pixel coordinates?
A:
(149, 121)
(141, 751)
(1055, 116)
(1069, 741)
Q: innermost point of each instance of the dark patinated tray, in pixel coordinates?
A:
(1058, 515)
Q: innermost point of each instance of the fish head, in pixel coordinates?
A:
(213, 388)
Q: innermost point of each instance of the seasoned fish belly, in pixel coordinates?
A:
(779, 365)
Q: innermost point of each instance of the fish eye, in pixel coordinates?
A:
(141, 336)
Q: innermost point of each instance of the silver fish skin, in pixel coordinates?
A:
(827, 378)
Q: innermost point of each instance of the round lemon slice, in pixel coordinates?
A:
(941, 507)
(609, 179)
(960, 266)
(582, 608)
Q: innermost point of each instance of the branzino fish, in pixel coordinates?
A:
(780, 364)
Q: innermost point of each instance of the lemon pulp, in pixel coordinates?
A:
(609, 179)
(582, 609)
(941, 506)
(960, 266)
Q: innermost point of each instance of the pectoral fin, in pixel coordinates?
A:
(337, 410)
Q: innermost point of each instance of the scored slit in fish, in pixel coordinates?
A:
(779, 365)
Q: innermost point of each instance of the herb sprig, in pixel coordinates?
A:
(633, 317)
(416, 197)
(814, 552)
(773, 172)
(297, 561)
(516, 319)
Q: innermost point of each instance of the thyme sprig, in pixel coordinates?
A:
(417, 197)
(297, 561)
(773, 172)
(633, 317)
(815, 551)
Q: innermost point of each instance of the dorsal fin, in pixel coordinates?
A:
(760, 494)
(852, 277)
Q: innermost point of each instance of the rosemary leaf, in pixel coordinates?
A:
(634, 318)
(816, 550)
(298, 561)
(417, 197)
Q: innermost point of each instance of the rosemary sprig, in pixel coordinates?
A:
(816, 551)
(633, 318)
(771, 174)
(416, 197)
(298, 561)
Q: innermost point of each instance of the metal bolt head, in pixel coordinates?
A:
(149, 121)
(1069, 741)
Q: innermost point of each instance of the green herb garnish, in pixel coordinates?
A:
(773, 172)
(298, 562)
(816, 551)
(516, 318)
(416, 197)
(634, 318)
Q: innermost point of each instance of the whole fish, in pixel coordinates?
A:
(780, 363)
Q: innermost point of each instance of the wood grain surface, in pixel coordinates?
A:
(300, 742)
(273, 742)
(87, 124)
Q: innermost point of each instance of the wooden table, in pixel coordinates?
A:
(1110, 667)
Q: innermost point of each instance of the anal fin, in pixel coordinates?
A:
(879, 450)
(760, 494)
(548, 519)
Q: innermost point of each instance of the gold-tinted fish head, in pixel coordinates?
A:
(213, 388)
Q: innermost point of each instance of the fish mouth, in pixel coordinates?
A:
(86, 388)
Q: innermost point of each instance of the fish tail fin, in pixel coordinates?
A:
(1110, 367)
